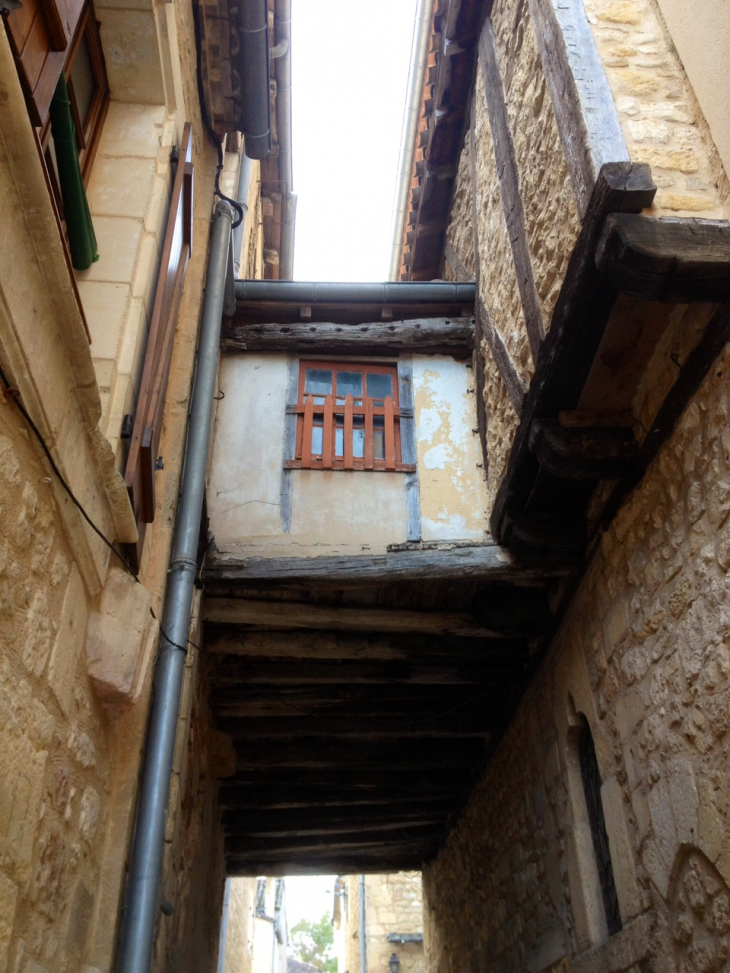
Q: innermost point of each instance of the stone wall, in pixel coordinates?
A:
(551, 220)
(643, 656)
(393, 904)
(661, 120)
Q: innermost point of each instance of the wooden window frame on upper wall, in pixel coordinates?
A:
(88, 132)
(331, 413)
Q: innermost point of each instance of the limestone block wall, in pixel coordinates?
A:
(239, 938)
(663, 125)
(129, 196)
(393, 904)
(643, 656)
(55, 738)
(661, 118)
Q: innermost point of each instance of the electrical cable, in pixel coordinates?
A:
(213, 135)
(14, 395)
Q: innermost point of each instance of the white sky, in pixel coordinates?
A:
(349, 73)
(308, 897)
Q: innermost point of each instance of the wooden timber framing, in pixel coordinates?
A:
(585, 111)
(292, 614)
(320, 644)
(509, 187)
(445, 336)
(487, 562)
(579, 319)
(479, 362)
(677, 261)
(516, 388)
(454, 261)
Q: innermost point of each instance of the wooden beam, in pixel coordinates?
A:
(316, 644)
(579, 319)
(349, 840)
(583, 454)
(429, 335)
(343, 819)
(290, 614)
(516, 388)
(464, 722)
(310, 755)
(678, 261)
(458, 269)
(383, 780)
(509, 187)
(399, 705)
(394, 860)
(484, 562)
(585, 111)
(333, 672)
(691, 375)
(280, 796)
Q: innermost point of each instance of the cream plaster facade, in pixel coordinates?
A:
(336, 511)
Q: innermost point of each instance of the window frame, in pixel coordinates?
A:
(306, 411)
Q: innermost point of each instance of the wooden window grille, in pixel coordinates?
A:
(348, 418)
(591, 777)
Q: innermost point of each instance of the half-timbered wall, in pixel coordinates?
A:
(255, 505)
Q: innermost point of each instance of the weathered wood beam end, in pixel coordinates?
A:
(581, 313)
(583, 454)
(677, 261)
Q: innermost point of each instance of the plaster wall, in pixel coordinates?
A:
(701, 35)
(336, 511)
(451, 478)
(643, 656)
(660, 114)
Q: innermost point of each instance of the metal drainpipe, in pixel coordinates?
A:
(143, 883)
(224, 927)
(363, 951)
(244, 183)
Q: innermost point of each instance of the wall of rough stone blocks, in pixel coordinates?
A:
(393, 904)
(660, 116)
(55, 764)
(644, 656)
(663, 125)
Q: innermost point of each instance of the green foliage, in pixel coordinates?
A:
(311, 942)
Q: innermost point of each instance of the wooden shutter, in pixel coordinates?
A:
(143, 450)
(40, 34)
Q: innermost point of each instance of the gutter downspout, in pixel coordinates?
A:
(282, 40)
(244, 184)
(419, 53)
(224, 927)
(363, 951)
(143, 883)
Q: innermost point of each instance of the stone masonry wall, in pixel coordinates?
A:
(54, 754)
(660, 117)
(644, 656)
(551, 220)
(393, 904)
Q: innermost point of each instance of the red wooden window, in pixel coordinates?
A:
(348, 418)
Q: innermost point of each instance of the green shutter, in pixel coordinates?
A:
(80, 230)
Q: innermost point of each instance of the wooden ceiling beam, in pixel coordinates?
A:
(283, 615)
(327, 645)
(351, 841)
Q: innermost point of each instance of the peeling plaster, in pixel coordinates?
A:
(453, 494)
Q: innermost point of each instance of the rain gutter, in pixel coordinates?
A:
(318, 292)
(414, 92)
(282, 40)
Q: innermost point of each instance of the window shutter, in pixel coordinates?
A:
(40, 33)
(143, 450)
